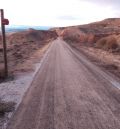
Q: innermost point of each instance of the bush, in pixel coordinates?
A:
(111, 43)
(6, 107)
(100, 43)
(107, 43)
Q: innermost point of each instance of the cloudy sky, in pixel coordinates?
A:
(59, 12)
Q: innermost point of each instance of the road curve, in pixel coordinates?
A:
(68, 92)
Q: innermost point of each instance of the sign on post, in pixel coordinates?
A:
(3, 23)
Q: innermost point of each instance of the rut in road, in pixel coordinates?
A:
(68, 92)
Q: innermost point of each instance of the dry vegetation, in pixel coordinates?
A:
(6, 107)
(108, 43)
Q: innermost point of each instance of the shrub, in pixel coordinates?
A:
(6, 107)
(100, 43)
(107, 43)
(111, 43)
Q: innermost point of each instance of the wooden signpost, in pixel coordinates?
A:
(3, 23)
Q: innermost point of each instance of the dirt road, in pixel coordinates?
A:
(69, 92)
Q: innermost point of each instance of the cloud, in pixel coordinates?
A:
(112, 3)
(59, 12)
(67, 17)
(115, 2)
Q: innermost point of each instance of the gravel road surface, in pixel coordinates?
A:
(69, 92)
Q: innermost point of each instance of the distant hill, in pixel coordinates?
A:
(16, 28)
(31, 35)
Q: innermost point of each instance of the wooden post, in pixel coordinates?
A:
(4, 44)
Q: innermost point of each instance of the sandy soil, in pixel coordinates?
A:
(69, 92)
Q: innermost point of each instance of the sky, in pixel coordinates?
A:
(58, 13)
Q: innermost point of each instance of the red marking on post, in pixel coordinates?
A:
(5, 22)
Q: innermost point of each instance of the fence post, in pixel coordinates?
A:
(4, 44)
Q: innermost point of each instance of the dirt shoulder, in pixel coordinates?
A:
(104, 59)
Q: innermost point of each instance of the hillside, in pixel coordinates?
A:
(21, 46)
(99, 41)
(90, 33)
(31, 35)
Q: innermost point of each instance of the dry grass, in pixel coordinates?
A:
(73, 35)
(108, 43)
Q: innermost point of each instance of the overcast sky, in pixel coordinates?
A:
(59, 12)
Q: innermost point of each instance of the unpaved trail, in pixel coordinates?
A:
(69, 92)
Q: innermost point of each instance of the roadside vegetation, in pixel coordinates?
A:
(6, 107)
(109, 43)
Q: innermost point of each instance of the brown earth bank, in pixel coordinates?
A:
(21, 46)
